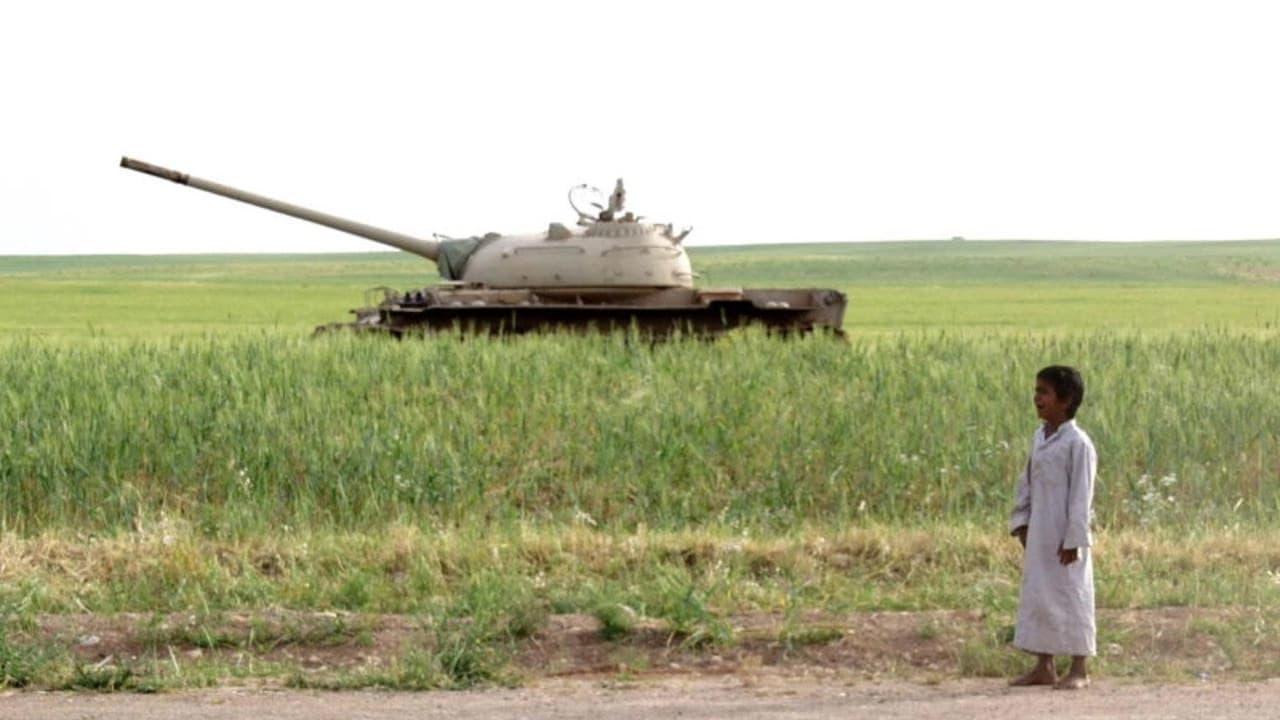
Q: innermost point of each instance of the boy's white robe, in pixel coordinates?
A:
(1055, 497)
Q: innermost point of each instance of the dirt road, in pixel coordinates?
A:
(688, 698)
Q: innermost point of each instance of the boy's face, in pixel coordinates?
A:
(1049, 406)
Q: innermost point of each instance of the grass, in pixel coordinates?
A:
(475, 608)
(213, 632)
(172, 441)
(1005, 286)
(514, 577)
(242, 435)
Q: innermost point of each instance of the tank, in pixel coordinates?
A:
(611, 270)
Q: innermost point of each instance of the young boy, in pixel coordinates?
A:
(1051, 520)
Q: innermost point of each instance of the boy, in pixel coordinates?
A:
(1051, 520)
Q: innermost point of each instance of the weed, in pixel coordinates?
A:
(811, 636)
(683, 605)
(102, 677)
(617, 620)
(20, 664)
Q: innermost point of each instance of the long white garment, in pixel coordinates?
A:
(1055, 500)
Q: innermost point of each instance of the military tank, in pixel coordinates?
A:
(612, 271)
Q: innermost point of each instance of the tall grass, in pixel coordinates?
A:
(243, 435)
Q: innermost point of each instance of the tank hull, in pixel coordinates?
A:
(698, 312)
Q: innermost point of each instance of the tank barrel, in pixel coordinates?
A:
(428, 249)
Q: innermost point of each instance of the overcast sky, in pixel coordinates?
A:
(771, 122)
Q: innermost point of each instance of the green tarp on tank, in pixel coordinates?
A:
(454, 254)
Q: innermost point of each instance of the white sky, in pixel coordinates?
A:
(787, 121)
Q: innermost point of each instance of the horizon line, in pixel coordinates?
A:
(947, 241)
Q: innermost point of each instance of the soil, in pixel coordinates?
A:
(884, 664)
(744, 697)
(920, 646)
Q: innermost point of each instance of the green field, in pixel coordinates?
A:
(171, 439)
(1009, 286)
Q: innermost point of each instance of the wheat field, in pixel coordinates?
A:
(172, 439)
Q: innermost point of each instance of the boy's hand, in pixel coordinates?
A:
(1021, 533)
(1066, 557)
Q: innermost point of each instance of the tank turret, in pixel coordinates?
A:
(612, 270)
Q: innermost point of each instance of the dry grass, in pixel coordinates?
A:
(405, 568)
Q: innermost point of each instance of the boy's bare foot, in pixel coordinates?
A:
(1038, 676)
(1073, 682)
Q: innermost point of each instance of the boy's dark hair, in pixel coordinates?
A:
(1066, 383)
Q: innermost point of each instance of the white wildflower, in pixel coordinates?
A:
(1153, 498)
(632, 546)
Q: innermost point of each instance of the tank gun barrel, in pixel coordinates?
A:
(429, 249)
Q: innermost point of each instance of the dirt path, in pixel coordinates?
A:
(689, 698)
